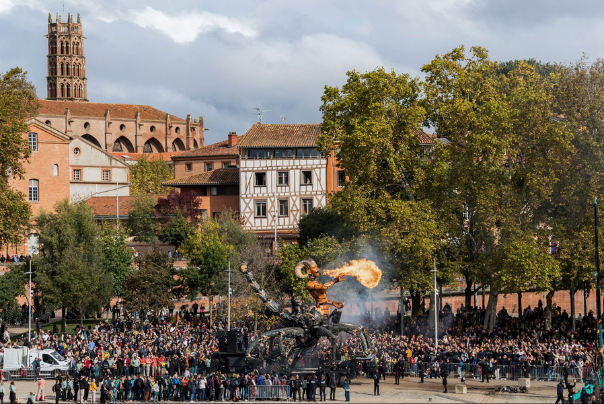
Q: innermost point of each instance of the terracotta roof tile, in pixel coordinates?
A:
(97, 110)
(424, 137)
(220, 176)
(165, 156)
(105, 206)
(281, 135)
(215, 149)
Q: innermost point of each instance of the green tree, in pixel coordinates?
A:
(70, 260)
(498, 169)
(579, 92)
(176, 231)
(322, 221)
(149, 287)
(142, 223)
(12, 285)
(208, 251)
(147, 175)
(18, 101)
(373, 123)
(117, 257)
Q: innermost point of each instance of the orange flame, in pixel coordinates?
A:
(366, 271)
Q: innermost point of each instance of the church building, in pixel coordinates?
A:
(126, 128)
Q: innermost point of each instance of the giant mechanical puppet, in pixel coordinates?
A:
(299, 331)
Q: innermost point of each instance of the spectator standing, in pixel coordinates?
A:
(322, 387)
(346, 385)
(376, 384)
(40, 393)
(560, 392)
(93, 389)
(57, 390)
(1, 392)
(332, 388)
(13, 393)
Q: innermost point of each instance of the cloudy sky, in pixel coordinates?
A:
(222, 59)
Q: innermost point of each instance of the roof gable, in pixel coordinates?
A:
(47, 128)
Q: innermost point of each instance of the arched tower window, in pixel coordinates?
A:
(63, 90)
(67, 69)
(62, 48)
(55, 170)
(62, 69)
(68, 90)
(67, 48)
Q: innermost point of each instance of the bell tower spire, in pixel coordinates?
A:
(66, 79)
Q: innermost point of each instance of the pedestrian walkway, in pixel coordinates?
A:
(18, 330)
(409, 391)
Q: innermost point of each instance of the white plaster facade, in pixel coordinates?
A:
(272, 192)
(94, 172)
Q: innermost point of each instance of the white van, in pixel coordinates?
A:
(17, 363)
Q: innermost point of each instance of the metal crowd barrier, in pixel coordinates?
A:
(271, 393)
(28, 374)
(504, 372)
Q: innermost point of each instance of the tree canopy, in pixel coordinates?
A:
(70, 260)
(147, 175)
(18, 101)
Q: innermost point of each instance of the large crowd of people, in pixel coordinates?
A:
(171, 357)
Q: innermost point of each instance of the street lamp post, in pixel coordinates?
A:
(229, 300)
(598, 358)
(29, 313)
(435, 310)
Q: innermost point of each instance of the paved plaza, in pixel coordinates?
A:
(409, 391)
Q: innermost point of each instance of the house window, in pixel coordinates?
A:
(225, 165)
(188, 166)
(283, 207)
(34, 195)
(77, 174)
(341, 178)
(106, 175)
(209, 167)
(306, 177)
(76, 151)
(283, 178)
(55, 170)
(260, 179)
(86, 125)
(33, 141)
(261, 209)
(306, 206)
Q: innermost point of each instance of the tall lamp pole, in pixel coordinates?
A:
(29, 314)
(598, 300)
(435, 310)
(229, 300)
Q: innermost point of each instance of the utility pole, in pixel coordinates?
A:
(229, 299)
(29, 315)
(598, 359)
(435, 310)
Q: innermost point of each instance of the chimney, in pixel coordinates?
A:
(232, 139)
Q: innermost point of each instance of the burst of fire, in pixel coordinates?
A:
(366, 271)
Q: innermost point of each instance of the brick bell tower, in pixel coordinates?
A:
(66, 78)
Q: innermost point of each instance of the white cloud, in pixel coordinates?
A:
(7, 5)
(185, 27)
